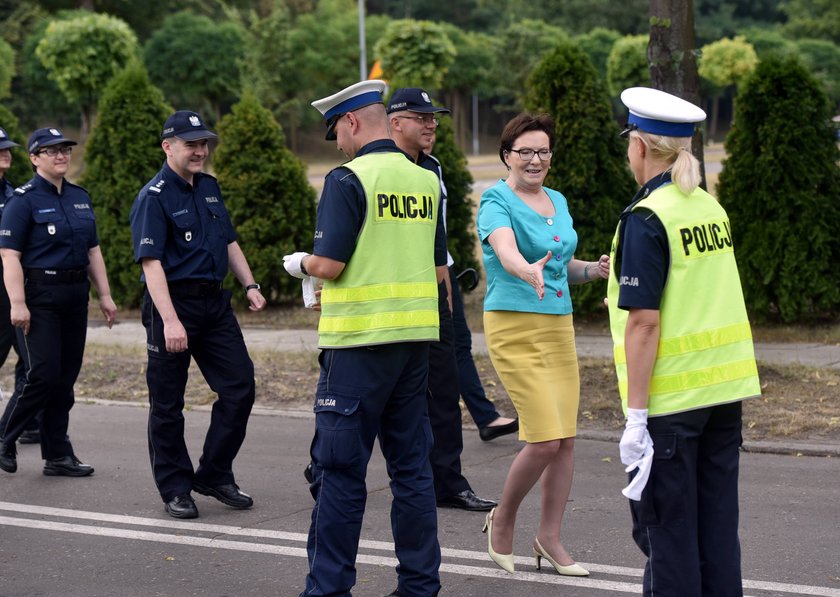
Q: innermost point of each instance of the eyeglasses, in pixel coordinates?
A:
(423, 120)
(528, 154)
(54, 151)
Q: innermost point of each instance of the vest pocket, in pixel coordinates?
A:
(337, 442)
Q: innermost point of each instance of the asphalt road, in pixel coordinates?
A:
(107, 535)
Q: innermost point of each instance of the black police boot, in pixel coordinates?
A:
(8, 457)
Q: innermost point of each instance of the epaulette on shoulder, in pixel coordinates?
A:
(24, 188)
(157, 187)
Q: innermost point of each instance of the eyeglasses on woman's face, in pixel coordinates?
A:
(527, 154)
(54, 151)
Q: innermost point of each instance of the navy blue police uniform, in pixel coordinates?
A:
(188, 229)
(451, 487)
(709, 433)
(388, 410)
(53, 232)
(8, 336)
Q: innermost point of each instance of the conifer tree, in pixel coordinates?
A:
(21, 169)
(589, 165)
(122, 153)
(781, 188)
(269, 198)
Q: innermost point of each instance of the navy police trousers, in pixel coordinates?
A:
(216, 343)
(687, 520)
(364, 393)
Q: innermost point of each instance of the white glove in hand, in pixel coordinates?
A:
(636, 449)
(292, 264)
(310, 285)
(635, 437)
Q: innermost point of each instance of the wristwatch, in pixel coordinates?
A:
(254, 286)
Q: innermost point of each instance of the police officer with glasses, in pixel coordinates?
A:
(50, 251)
(185, 242)
(413, 120)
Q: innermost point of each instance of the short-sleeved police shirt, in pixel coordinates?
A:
(184, 226)
(342, 209)
(643, 252)
(51, 230)
(7, 191)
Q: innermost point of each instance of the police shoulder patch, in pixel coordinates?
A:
(24, 188)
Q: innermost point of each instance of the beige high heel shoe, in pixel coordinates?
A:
(573, 570)
(504, 560)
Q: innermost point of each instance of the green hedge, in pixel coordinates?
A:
(122, 153)
(781, 188)
(267, 193)
(589, 165)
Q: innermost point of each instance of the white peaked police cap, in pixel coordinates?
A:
(660, 113)
(348, 99)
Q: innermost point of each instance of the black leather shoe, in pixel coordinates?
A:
(181, 506)
(467, 500)
(230, 494)
(8, 457)
(32, 436)
(489, 433)
(67, 466)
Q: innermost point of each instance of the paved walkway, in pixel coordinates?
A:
(779, 353)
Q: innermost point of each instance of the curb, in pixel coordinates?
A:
(753, 447)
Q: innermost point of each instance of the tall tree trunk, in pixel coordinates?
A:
(672, 58)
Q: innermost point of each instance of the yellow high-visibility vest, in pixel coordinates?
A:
(705, 354)
(388, 289)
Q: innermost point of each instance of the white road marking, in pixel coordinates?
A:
(300, 552)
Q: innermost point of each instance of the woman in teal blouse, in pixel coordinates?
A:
(528, 241)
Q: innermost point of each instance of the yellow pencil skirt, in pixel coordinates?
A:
(534, 355)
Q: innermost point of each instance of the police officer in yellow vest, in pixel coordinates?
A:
(684, 357)
(380, 249)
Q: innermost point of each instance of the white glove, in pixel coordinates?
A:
(310, 284)
(292, 264)
(636, 449)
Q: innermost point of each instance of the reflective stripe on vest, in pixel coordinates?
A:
(705, 354)
(388, 290)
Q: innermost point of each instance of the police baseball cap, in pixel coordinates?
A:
(5, 142)
(186, 125)
(46, 137)
(660, 113)
(347, 100)
(413, 99)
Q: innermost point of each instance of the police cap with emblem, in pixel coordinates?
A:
(186, 125)
(46, 137)
(5, 142)
(659, 113)
(413, 99)
(347, 100)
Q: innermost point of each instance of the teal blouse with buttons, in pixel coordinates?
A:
(535, 234)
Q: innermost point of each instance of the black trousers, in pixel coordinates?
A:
(687, 520)
(52, 354)
(8, 341)
(216, 343)
(444, 410)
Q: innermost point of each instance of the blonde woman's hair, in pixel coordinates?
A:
(685, 169)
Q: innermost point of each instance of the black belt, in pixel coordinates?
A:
(56, 276)
(187, 288)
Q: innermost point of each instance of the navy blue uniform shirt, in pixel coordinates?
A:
(186, 227)
(643, 252)
(51, 230)
(7, 191)
(343, 201)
